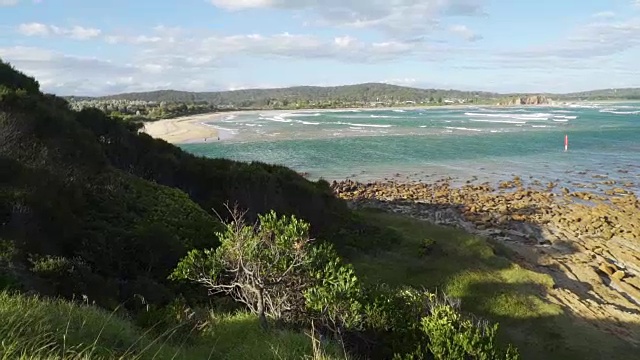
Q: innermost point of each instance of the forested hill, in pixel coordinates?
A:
(370, 92)
(605, 94)
(355, 95)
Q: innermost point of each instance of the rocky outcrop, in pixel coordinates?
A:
(577, 238)
(526, 100)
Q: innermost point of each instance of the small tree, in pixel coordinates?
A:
(261, 266)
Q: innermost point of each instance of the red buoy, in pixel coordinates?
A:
(566, 142)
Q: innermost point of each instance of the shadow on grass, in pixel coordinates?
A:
(490, 285)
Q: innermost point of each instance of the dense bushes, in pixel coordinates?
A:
(277, 272)
(82, 185)
(123, 230)
(15, 80)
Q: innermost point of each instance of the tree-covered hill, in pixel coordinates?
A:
(347, 95)
(365, 93)
(605, 94)
(89, 206)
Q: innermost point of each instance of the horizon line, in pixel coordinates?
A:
(355, 84)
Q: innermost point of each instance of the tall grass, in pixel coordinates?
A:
(35, 328)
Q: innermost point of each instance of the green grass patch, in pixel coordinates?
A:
(489, 285)
(37, 328)
(239, 336)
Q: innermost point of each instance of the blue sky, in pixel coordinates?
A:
(94, 47)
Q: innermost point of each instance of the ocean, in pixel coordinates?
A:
(462, 143)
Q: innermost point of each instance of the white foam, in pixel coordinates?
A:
(229, 118)
(565, 117)
(561, 120)
(276, 118)
(383, 117)
(234, 131)
(361, 125)
(307, 122)
(306, 114)
(499, 121)
(399, 111)
(372, 125)
(535, 116)
(613, 111)
(584, 106)
(531, 118)
(461, 128)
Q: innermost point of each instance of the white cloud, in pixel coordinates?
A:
(345, 41)
(395, 17)
(213, 50)
(33, 29)
(597, 39)
(76, 32)
(74, 75)
(80, 33)
(604, 15)
(465, 32)
(243, 4)
(136, 40)
(9, 2)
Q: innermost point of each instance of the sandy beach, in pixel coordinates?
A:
(185, 129)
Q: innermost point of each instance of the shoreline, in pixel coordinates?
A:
(587, 243)
(192, 129)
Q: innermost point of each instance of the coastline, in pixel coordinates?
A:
(581, 230)
(192, 128)
(587, 243)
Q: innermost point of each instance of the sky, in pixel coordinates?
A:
(98, 47)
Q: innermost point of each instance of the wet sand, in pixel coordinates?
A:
(185, 129)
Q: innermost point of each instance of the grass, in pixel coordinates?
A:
(37, 328)
(489, 285)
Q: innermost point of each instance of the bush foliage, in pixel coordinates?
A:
(270, 265)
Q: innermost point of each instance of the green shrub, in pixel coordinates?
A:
(275, 263)
(449, 335)
(334, 293)
(262, 266)
(427, 246)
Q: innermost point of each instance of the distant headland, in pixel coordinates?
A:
(346, 96)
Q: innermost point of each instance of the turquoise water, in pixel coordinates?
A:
(425, 144)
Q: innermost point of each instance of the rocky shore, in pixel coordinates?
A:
(588, 242)
(526, 100)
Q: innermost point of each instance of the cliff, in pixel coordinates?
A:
(526, 100)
